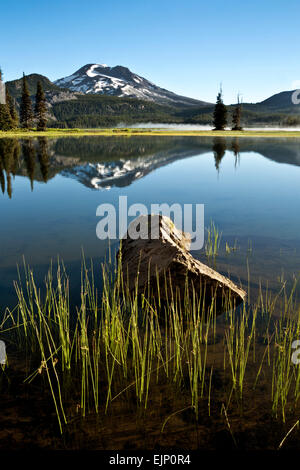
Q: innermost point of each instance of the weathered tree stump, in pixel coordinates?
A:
(163, 265)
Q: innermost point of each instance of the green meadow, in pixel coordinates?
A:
(21, 133)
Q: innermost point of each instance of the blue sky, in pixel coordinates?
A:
(188, 47)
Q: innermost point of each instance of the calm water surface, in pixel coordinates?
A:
(51, 189)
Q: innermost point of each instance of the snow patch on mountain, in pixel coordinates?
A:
(91, 72)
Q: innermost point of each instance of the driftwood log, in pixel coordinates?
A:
(163, 263)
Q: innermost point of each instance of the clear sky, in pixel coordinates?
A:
(188, 47)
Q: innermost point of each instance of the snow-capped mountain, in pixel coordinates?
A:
(120, 81)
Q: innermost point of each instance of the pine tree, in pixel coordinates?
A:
(16, 157)
(2, 175)
(10, 102)
(29, 154)
(235, 147)
(9, 162)
(219, 149)
(236, 116)
(7, 158)
(5, 119)
(5, 163)
(26, 114)
(40, 108)
(220, 113)
(44, 158)
(2, 178)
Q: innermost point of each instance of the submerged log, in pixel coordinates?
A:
(159, 260)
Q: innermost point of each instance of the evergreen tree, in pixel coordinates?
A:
(2, 178)
(40, 108)
(235, 147)
(5, 163)
(220, 113)
(219, 149)
(7, 157)
(44, 158)
(10, 102)
(236, 116)
(29, 154)
(26, 114)
(5, 119)
(16, 156)
(9, 160)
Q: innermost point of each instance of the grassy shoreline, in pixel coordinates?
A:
(53, 133)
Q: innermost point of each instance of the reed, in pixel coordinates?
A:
(120, 344)
(213, 241)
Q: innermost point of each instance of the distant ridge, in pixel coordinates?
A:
(280, 100)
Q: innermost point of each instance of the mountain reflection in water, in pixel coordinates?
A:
(105, 162)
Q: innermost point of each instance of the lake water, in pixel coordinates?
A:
(250, 188)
